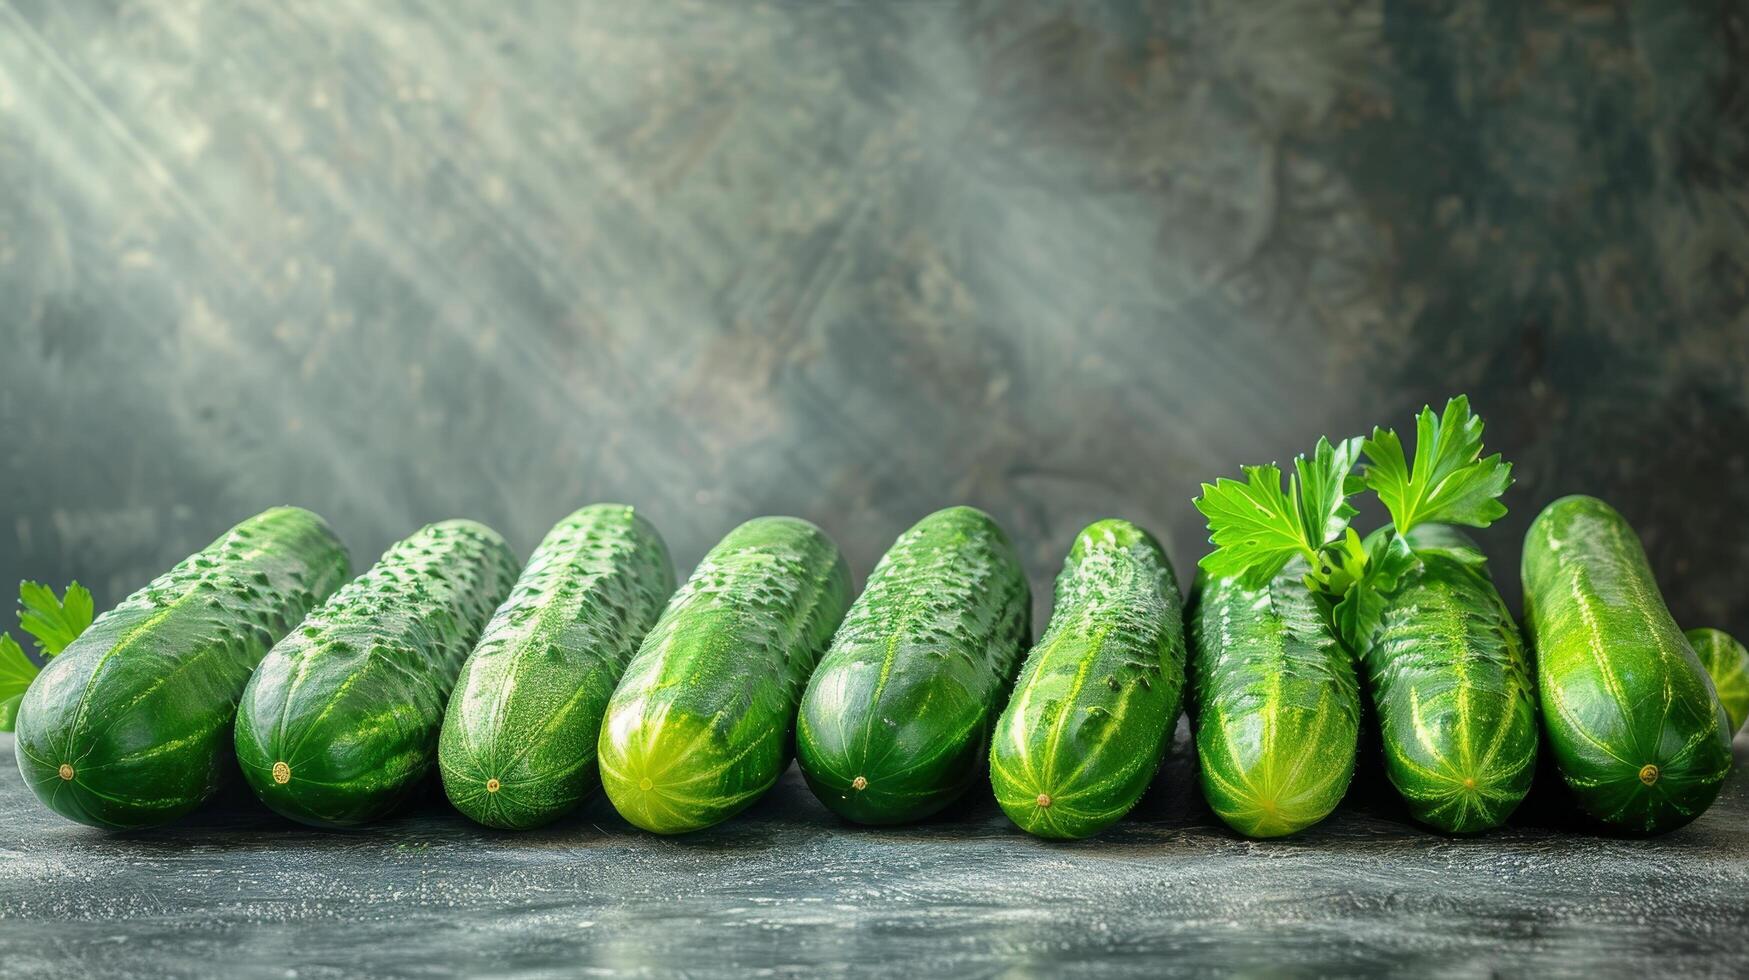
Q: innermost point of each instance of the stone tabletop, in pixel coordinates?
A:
(787, 890)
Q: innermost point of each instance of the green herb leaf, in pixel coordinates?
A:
(1253, 525)
(1326, 481)
(1257, 527)
(1341, 563)
(16, 673)
(54, 622)
(1449, 482)
(1468, 557)
(1356, 616)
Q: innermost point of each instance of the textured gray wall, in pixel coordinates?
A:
(399, 262)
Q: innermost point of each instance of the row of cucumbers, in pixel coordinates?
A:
(591, 670)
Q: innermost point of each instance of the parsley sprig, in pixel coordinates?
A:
(1449, 483)
(1258, 527)
(54, 623)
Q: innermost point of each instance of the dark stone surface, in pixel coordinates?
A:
(788, 890)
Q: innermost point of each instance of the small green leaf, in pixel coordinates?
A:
(1468, 557)
(9, 712)
(1448, 482)
(54, 622)
(1257, 527)
(1325, 482)
(1357, 615)
(1340, 564)
(1444, 541)
(1253, 525)
(16, 673)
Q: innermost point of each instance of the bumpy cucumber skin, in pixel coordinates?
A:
(1450, 684)
(1098, 699)
(701, 724)
(140, 707)
(896, 721)
(1275, 702)
(1631, 718)
(341, 719)
(1727, 663)
(518, 743)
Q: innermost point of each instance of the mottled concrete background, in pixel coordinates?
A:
(406, 261)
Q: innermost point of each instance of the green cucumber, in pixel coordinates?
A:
(518, 743)
(700, 725)
(1727, 663)
(131, 725)
(1632, 721)
(1451, 689)
(1275, 702)
(341, 719)
(1098, 700)
(896, 721)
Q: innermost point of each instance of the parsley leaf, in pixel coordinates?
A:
(16, 673)
(1257, 527)
(54, 622)
(1386, 560)
(1449, 482)
(1447, 541)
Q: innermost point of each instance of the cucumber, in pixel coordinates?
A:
(1275, 702)
(700, 726)
(341, 719)
(1632, 721)
(1450, 684)
(131, 725)
(1098, 700)
(1727, 663)
(895, 723)
(518, 743)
